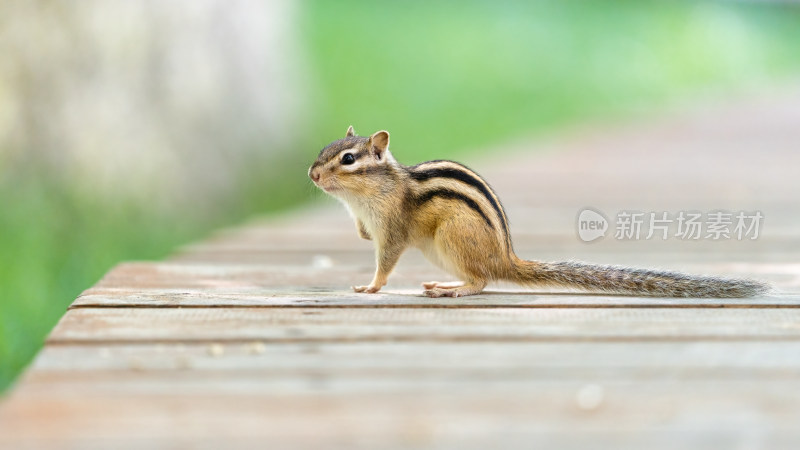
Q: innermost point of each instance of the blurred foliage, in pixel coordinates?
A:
(57, 242)
(443, 77)
(458, 75)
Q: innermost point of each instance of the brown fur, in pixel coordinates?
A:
(455, 218)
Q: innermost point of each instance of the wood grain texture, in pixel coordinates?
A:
(204, 285)
(408, 298)
(404, 362)
(423, 325)
(630, 415)
(451, 394)
(243, 277)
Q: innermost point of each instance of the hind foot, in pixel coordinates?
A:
(460, 291)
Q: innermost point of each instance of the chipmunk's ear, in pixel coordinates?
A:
(379, 143)
(350, 131)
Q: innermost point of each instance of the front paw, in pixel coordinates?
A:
(371, 289)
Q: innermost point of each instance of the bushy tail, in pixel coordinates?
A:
(624, 280)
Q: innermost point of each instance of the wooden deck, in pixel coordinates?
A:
(253, 338)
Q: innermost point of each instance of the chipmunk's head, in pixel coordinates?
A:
(355, 166)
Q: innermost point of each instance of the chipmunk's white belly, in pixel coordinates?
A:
(438, 257)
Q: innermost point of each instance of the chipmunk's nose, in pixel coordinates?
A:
(314, 174)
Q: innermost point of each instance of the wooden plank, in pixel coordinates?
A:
(417, 366)
(408, 298)
(243, 277)
(423, 325)
(196, 285)
(560, 413)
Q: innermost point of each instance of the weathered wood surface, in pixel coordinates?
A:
(440, 324)
(252, 338)
(214, 285)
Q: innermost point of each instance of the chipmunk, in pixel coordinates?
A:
(455, 218)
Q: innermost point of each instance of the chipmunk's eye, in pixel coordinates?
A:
(348, 159)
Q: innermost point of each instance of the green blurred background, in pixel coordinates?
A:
(129, 129)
